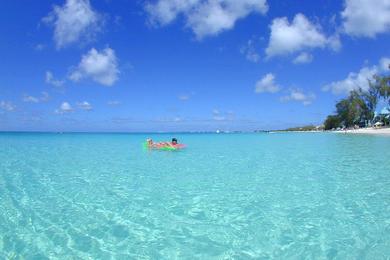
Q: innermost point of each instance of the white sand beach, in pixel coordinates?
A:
(368, 130)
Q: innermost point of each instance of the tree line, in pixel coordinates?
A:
(359, 107)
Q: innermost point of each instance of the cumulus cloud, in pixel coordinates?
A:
(49, 78)
(303, 58)
(300, 35)
(74, 21)
(65, 107)
(85, 105)
(7, 106)
(250, 52)
(31, 99)
(299, 96)
(366, 18)
(204, 17)
(334, 42)
(384, 64)
(356, 80)
(101, 67)
(267, 84)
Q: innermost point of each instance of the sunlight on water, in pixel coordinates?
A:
(234, 196)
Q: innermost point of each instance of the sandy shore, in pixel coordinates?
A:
(369, 130)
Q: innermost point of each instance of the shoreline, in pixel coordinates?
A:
(369, 130)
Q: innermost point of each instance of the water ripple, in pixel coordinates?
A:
(283, 196)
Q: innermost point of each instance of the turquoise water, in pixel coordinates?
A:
(228, 196)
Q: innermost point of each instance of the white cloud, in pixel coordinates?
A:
(219, 118)
(303, 58)
(175, 119)
(356, 80)
(300, 35)
(334, 42)
(45, 96)
(222, 116)
(7, 106)
(299, 96)
(353, 81)
(31, 99)
(204, 18)
(74, 21)
(39, 47)
(250, 52)
(267, 84)
(99, 66)
(84, 105)
(64, 108)
(184, 97)
(114, 103)
(52, 81)
(366, 17)
(384, 64)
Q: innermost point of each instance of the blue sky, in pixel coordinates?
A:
(184, 65)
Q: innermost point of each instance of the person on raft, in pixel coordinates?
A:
(152, 144)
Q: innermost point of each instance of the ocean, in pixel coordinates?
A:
(225, 196)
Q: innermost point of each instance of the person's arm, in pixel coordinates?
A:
(168, 144)
(160, 144)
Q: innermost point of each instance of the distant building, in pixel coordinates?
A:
(383, 116)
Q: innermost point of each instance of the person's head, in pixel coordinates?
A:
(149, 141)
(174, 141)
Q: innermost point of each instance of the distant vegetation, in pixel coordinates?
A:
(302, 128)
(305, 128)
(359, 107)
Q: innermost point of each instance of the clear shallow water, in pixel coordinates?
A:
(233, 196)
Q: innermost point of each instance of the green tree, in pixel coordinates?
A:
(383, 85)
(358, 107)
(360, 104)
(349, 110)
(332, 122)
(370, 97)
